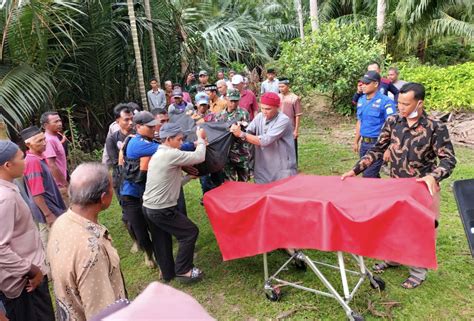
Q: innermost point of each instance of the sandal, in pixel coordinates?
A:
(381, 267)
(196, 276)
(411, 282)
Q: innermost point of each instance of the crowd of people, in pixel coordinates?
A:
(50, 227)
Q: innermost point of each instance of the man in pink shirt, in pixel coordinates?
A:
(248, 101)
(23, 281)
(55, 153)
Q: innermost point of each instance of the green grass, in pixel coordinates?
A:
(233, 290)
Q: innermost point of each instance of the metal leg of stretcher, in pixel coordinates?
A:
(273, 292)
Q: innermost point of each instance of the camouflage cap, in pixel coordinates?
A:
(233, 94)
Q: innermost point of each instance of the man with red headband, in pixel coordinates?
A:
(271, 132)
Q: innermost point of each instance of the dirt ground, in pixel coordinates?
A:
(326, 121)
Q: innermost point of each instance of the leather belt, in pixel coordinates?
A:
(369, 140)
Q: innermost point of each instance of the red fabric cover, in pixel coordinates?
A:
(390, 219)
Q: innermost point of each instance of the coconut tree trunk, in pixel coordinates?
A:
(313, 12)
(299, 11)
(3, 129)
(138, 57)
(381, 9)
(154, 56)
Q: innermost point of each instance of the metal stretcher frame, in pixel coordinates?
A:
(273, 293)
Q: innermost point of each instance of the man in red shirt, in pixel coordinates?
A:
(248, 101)
(40, 181)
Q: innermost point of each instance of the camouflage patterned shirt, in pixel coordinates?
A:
(415, 150)
(239, 151)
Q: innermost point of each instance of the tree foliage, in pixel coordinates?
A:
(447, 88)
(330, 61)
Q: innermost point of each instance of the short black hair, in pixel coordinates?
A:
(118, 109)
(394, 69)
(44, 119)
(373, 62)
(270, 71)
(418, 90)
(153, 79)
(159, 111)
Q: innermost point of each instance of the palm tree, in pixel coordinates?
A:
(381, 8)
(29, 60)
(138, 57)
(313, 12)
(154, 56)
(299, 11)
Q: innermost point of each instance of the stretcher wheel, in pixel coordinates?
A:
(274, 294)
(379, 283)
(356, 317)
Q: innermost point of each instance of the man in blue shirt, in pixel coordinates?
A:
(385, 85)
(137, 152)
(373, 108)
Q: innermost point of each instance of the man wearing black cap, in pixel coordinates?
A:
(137, 152)
(23, 284)
(385, 85)
(271, 84)
(40, 181)
(373, 108)
(216, 105)
(160, 203)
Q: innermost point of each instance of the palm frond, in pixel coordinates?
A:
(22, 92)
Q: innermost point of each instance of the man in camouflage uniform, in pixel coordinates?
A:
(420, 147)
(237, 167)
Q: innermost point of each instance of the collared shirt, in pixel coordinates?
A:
(113, 145)
(41, 182)
(240, 149)
(373, 113)
(137, 147)
(248, 101)
(165, 174)
(156, 99)
(413, 150)
(275, 158)
(270, 86)
(217, 105)
(113, 127)
(385, 87)
(54, 149)
(290, 105)
(85, 267)
(20, 244)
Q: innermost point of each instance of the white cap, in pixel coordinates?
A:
(237, 79)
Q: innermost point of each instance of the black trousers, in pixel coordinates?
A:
(33, 306)
(296, 150)
(136, 223)
(165, 223)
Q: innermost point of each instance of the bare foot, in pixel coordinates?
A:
(149, 261)
(134, 248)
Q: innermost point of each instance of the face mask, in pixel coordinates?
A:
(414, 113)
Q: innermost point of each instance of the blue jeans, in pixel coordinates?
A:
(374, 169)
(211, 181)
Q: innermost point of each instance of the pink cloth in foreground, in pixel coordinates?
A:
(161, 302)
(390, 219)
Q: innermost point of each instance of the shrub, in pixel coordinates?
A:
(330, 61)
(447, 88)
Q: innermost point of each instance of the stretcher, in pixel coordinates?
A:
(389, 219)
